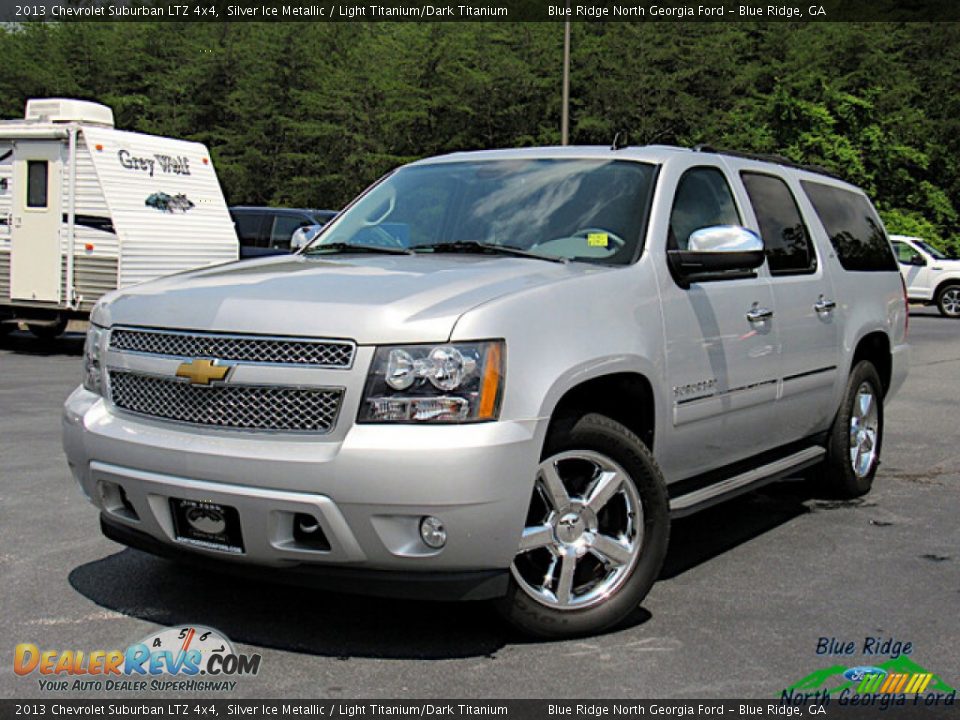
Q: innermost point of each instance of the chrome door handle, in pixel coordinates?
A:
(759, 314)
(822, 305)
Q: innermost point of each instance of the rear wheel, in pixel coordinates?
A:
(853, 448)
(948, 300)
(595, 535)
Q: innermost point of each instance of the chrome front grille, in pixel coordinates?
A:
(243, 407)
(239, 348)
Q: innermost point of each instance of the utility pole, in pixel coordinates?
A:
(565, 112)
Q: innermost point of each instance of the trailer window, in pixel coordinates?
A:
(36, 183)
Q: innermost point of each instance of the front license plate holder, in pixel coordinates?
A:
(207, 525)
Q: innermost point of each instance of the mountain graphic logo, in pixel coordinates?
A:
(898, 675)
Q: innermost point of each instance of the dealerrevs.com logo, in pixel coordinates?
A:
(188, 658)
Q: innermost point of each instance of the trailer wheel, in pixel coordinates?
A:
(48, 332)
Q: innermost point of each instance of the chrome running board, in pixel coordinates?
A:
(744, 482)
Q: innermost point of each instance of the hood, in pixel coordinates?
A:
(371, 298)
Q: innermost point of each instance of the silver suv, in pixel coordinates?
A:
(499, 375)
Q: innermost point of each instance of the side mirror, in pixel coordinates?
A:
(302, 236)
(718, 249)
(917, 259)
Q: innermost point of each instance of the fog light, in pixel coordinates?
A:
(432, 532)
(308, 533)
(115, 501)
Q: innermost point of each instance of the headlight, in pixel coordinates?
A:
(449, 383)
(92, 371)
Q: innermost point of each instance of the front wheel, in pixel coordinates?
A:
(948, 301)
(595, 535)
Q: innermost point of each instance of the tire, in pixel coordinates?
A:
(948, 300)
(607, 578)
(841, 475)
(48, 332)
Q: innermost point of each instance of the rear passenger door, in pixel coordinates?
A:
(805, 309)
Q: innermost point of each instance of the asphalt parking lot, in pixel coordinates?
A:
(748, 589)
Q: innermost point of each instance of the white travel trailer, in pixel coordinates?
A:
(85, 209)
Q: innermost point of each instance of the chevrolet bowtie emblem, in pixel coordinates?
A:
(203, 372)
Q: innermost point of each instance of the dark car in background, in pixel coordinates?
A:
(267, 230)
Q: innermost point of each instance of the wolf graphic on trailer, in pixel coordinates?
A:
(86, 209)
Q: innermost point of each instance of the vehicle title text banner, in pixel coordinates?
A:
(812, 707)
(473, 10)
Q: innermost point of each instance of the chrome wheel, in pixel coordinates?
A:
(950, 301)
(583, 534)
(864, 430)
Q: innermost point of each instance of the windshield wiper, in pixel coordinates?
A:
(342, 247)
(472, 246)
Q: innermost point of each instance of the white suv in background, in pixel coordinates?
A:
(931, 277)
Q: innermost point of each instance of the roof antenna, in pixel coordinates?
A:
(617, 143)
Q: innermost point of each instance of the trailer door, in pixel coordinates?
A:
(35, 258)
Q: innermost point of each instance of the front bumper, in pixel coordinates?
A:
(368, 490)
(447, 585)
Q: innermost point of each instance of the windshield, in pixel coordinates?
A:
(575, 209)
(931, 250)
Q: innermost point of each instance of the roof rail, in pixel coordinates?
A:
(770, 158)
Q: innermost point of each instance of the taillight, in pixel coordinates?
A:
(906, 308)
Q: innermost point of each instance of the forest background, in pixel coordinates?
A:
(308, 114)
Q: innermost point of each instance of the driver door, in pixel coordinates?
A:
(721, 366)
(916, 277)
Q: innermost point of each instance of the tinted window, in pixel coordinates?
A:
(283, 227)
(853, 226)
(37, 183)
(248, 229)
(703, 199)
(322, 217)
(784, 233)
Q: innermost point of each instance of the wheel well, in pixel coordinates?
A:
(942, 285)
(875, 347)
(624, 397)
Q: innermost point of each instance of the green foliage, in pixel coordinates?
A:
(311, 113)
(905, 222)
